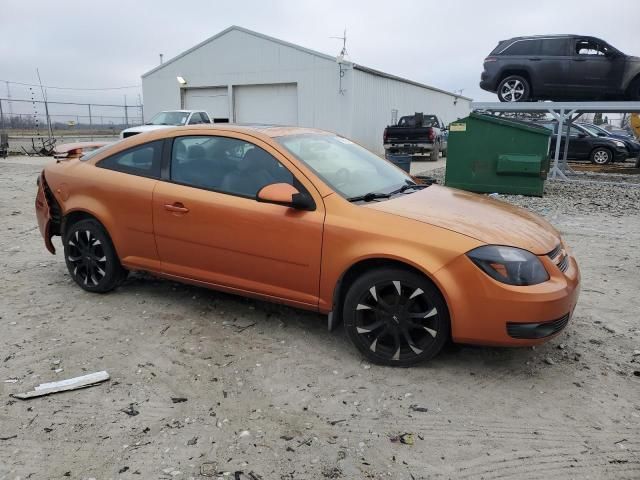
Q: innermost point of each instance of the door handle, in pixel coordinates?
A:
(176, 207)
(536, 59)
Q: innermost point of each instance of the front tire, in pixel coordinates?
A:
(601, 156)
(91, 258)
(396, 317)
(514, 88)
(633, 93)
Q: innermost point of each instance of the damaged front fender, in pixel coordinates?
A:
(44, 213)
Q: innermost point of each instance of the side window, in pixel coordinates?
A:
(523, 47)
(143, 160)
(195, 118)
(226, 165)
(553, 47)
(589, 47)
(204, 117)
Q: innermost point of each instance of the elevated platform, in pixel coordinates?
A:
(564, 113)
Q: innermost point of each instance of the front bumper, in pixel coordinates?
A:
(486, 312)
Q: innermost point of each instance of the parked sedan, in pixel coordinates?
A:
(169, 118)
(633, 146)
(312, 220)
(585, 145)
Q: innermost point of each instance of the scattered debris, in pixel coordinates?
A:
(123, 469)
(208, 469)
(179, 399)
(418, 408)
(192, 441)
(549, 361)
(131, 410)
(9, 437)
(636, 373)
(83, 381)
(404, 438)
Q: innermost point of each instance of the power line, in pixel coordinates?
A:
(72, 88)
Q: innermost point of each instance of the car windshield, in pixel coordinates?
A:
(169, 118)
(346, 167)
(595, 130)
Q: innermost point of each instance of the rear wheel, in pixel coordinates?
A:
(395, 317)
(91, 258)
(514, 88)
(435, 153)
(601, 156)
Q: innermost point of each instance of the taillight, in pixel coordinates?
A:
(490, 59)
(384, 136)
(431, 135)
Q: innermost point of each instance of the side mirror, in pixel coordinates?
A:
(582, 135)
(285, 195)
(602, 134)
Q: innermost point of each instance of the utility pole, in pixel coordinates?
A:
(126, 114)
(46, 106)
(9, 99)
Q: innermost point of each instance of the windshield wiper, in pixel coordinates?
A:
(406, 187)
(368, 197)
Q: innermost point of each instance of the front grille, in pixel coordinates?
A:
(129, 134)
(536, 330)
(560, 257)
(554, 253)
(563, 264)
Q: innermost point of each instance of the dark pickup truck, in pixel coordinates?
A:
(417, 135)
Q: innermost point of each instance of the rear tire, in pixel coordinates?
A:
(395, 317)
(91, 258)
(435, 154)
(601, 156)
(514, 88)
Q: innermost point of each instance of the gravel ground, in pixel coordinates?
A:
(204, 383)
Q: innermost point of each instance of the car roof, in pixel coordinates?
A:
(555, 35)
(268, 130)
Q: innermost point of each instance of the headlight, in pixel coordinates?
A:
(619, 144)
(510, 265)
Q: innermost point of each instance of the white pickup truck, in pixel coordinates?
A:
(170, 118)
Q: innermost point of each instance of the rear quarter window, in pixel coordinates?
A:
(143, 160)
(523, 47)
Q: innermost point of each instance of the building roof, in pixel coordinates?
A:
(302, 49)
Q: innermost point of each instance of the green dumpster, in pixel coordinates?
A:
(491, 154)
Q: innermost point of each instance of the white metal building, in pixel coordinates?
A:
(243, 76)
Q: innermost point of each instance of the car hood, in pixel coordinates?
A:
(147, 128)
(477, 216)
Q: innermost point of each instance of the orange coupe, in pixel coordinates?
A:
(310, 219)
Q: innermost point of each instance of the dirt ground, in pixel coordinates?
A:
(267, 391)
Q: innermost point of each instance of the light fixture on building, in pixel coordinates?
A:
(181, 80)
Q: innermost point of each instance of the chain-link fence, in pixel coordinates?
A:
(36, 125)
(20, 115)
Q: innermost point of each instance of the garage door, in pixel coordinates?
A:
(275, 104)
(214, 101)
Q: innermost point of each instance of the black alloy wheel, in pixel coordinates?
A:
(396, 317)
(91, 259)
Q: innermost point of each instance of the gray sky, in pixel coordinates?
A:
(442, 43)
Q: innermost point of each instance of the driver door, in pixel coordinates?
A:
(594, 69)
(210, 228)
